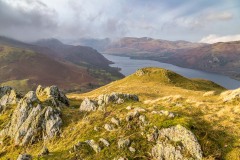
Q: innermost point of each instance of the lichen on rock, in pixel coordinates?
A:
(34, 119)
(8, 96)
(184, 140)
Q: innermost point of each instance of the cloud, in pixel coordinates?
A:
(220, 16)
(74, 19)
(212, 38)
(23, 21)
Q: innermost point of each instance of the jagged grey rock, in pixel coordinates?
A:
(120, 101)
(104, 141)
(94, 145)
(33, 120)
(8, 96)
(164, 149)
(167, 151)
(115, 98)
(153, 135)
(128, 107)
(142, 118)
(104, 99)
(53, 94)
(124, 142)
(131, 149)
(24, 157)
(108, 127)
(131, 115)
(115, 121)
(88, 105)
(4, 90)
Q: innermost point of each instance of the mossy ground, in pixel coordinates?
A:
(215, 124)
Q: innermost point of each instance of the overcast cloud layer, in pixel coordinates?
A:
(192, 20)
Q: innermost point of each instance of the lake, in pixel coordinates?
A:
(129, 66)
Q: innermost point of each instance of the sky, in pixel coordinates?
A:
(206, 21)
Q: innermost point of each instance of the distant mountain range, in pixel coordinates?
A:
(222, 57)
(50, 62)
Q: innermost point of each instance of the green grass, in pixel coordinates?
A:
(20, 85)
(216, 133)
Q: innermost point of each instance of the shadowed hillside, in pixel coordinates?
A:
(70, 67)
(20, 64)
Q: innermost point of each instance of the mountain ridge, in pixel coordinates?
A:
(83, 67)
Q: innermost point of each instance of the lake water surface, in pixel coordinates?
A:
(129, 66)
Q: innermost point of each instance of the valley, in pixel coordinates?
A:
(222, 58)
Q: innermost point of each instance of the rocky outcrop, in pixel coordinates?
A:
(105, 99)
(115, 98)
(95, 146)
(8, 97)
(52, 94)
(35, 119)
(4, 90)
(124, 143)
(88, 105)
(176, 143)
(232, 95)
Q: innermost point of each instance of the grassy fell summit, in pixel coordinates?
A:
(153, 82)
(151, 114)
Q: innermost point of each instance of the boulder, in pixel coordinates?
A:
(142, 118)
(8, 96)
(186, 145)
(131, 149)
(123, 143)
(108, 127)
(115, 121)
(24, 157)
(104, 141)
(94, 145)
(88, 105)
(164, 150)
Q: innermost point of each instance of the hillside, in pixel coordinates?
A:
(159, 119)
(221, 58)
(70, 67)
(80, 55)
(147, 47)
(153, 82)
(34, 68)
